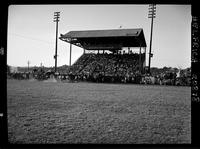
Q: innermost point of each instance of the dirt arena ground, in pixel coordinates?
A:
(55, 112)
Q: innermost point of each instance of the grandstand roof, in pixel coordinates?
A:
(102, 39)
(104, 33)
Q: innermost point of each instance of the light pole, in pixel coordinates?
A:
(152, 15)
(56, 19)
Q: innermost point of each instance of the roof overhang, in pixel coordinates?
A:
(105, 39)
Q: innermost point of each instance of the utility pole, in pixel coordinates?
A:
(152, 14)
(56, 19)
(28, 66)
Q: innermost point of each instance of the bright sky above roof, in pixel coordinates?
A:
(31, 31)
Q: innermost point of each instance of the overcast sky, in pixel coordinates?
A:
(31, 31)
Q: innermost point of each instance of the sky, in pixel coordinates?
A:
(31, 31)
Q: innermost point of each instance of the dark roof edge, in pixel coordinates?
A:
(107, 30)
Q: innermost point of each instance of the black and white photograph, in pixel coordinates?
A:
(99, 74)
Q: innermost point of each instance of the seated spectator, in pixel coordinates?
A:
(105, 64)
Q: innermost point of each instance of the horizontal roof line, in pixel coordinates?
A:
(103, 33)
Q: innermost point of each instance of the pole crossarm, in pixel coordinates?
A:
(152, 11)
(56, 16)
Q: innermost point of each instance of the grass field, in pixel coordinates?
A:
(49, 112)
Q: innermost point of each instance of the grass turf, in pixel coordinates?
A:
(49, 112)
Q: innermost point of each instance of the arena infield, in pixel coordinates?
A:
(55, 112)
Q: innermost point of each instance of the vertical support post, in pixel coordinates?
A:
(70, 54)
(128, 50)
(140, 60)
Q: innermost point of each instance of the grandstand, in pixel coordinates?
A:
(112, 54)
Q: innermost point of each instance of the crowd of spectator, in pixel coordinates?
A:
(104, 67)
(101, 67)
(122, 68)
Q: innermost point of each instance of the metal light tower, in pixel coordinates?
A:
(56, 19)
(152, 15)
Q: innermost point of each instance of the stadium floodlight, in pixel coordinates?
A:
(56, 19)
(152, 15)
